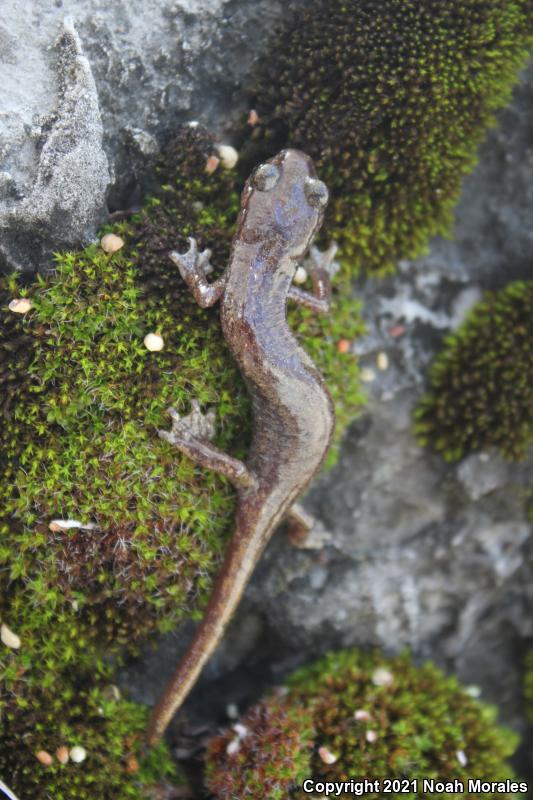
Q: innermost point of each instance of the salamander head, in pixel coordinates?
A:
(283, 205)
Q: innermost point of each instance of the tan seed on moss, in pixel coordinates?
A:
(44, 757)
(228, 155)
(9, 638)
(110, 243)
(211, 164)
(62, 754)
(154, 342)
(20, 305)
(326, 755)
(78, 754)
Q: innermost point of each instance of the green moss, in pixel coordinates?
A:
(108, 728)
(380, 718)
(392, 99)
(481, 384)
(269, 760)
(81, 441)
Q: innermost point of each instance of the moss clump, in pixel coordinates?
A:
(481, 384)
(384, 718)
(392, 99)
(81, 442)
(109, 729)
(266, 756)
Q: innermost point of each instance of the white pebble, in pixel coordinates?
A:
(9, 638)
(382, 677)
(368, 375)
(382, 361)
(228, 155)
(300, 276)
(110, 243)
(78, 754)
(326, 755)
(240, 730)
(65, 524)
(371, 736)
(362, 716)
(461, 758)
(20, 305)
(154, 342)
(233, 747)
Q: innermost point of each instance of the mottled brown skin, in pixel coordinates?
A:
(282, 208)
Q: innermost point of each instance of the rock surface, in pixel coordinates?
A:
(89, 89)
(417, 553)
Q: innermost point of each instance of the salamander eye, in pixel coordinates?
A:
(316, 192)
(265, 177)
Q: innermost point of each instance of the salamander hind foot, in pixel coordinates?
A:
(192, 435)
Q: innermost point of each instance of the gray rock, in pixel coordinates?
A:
(54, 186)
(419, 554)
(91, 100)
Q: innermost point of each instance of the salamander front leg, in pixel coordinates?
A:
(193, 267)
(321, 267)
(192, 435)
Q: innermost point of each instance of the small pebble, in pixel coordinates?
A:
(396, 331)
(211, 164)
(62, 754)
(362, 716)
(240, 730)
(132, 765)
(253, 117)
(228, 155)
(368, 375)
(326, 755)
(233, 747)
(57, 525)
(110, 243)
(111, 692)
(154, 342)
(44, 757)
(382, 677)
(382, 361)
(9, 638)
(78, 754)
(300, 276)
(371, 736)
(461, 758)
(343, 345)
(20, 305)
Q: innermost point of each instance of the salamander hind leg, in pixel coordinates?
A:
(194, 266)
(192, 435)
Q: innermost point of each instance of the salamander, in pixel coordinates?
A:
(282, 208)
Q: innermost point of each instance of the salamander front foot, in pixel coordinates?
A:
(194, 266)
